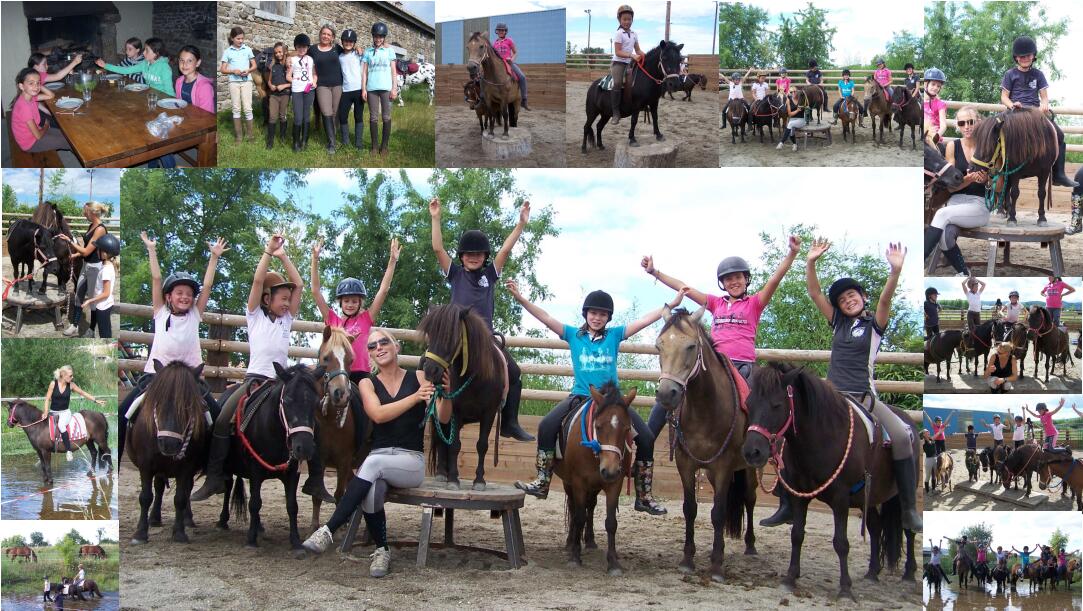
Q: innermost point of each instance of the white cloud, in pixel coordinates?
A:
(76, 183)
(337, 177)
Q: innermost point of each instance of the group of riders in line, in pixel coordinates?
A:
(977, 562)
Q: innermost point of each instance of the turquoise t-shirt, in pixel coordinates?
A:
(594, 362)
(379, 68)
(238, 58)
(846, 89)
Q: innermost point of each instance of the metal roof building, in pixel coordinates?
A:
(539, 36)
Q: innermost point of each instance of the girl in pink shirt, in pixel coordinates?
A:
(939, 427)
(191, 86)
(31, 133)
(782, 83)
(936, 122)
(506, 49)
(1049, 430)
(1054, 294)
(355, 319)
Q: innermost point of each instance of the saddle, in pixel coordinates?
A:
(606, 84)
(509, 71)
(866, 418)
(406, 67)
(567, 433)
(76, 428)
(253, 398)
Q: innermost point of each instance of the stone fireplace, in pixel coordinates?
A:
(59, 28)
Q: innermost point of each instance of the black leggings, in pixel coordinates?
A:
(101, 320)
(549, 428)
(940, 447)
(932, 331)
(351, 99)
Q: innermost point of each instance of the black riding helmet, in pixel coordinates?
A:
(473, 240)
(350, 286)
(349, 35)
(846, 72)
(840, 286)
(598, 300)
(908, 66)
(1024, 45)
(812, 63)
(732, 265)
(176, 279)
(301, 40)
(379, 29)
(108, 244)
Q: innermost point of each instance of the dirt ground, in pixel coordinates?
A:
(217, 571)
(458, 139)
(37, 323)
(976, 252)
(969, 383)
(865, 152)
(680, 122)
(958, 499)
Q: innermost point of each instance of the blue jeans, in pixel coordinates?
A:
(522, 79)
(166, 161)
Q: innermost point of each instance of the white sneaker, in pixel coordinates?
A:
(71, 331)
(795, 148)
(779, 147)
(381, 562)
(70, 456)
(319, 541)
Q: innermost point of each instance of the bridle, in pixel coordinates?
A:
(13, 421)
(184, 438)
(661, 68)
(674, 417)
(1046, 318)
(592, 440)
(462, 349)
(328, 377)
(486, 57)
(290, 431)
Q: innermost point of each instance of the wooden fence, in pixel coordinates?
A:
(1074, 111)
(831, 76)
(545, 85)
(956, 319)
(594, 65)
(217, 348)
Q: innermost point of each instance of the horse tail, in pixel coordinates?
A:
(891, 533)
(238, 501)
(735, 503)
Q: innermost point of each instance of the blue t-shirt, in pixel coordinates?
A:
(1024, 87)
(379, 68)
(594, 362)
(846, 89)
(238, 58)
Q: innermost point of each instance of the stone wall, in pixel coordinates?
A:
(263, 29)
(188, 23)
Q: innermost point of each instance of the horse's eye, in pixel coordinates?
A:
(690, 347)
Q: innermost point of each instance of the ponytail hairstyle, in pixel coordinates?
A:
(136, 43)
(61, 370)
(99, 209)
(35, 59)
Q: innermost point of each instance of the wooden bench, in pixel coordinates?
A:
(22, 300)
(998, 232)
(498, 499)
(23, 159)
(816, 132)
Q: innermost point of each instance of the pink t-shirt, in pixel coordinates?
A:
(503, 46)
(938, 432)
(1048, 429)
(883, 77)
(1053, 293)
(358, 327)
(783, 84)
(932, 107)
(44, 75)
(735, 323)
(24, 110)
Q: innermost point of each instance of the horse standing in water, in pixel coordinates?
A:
(785, 400)
(699, 391)
(1048, 340)
(40, 429)
(879, 106)
(499, 91)
(649, 79)
(588, 467)
(168, 439)
(459, 343)
(345, 429)
(1011, 146)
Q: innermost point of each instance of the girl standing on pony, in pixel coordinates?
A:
(940, 426)
(506, 49)
(352, 315)
(594, 349)
(58, 400)
(1054, 294)
(997, 429)
(92, 262)
(972, 289)
(854, 346)
(1049, 430)
(177, 307)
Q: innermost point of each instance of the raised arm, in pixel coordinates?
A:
(157, 299)
(513, 237)
(255, 294)
(314, 280)
(647, 263)
(896, 254)
(769, 289)
(295, 278)
(63, 72)
(926, 414)
(216, 248)
(385, 282)
(442, 258)
(553, 324)
(84, 393)
(1058, 408)
(649, 318)
(1077, 412)
(817, 250)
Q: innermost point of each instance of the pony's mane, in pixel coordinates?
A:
(442, 324)
(48, 215)
(338, 338)
(175, 385)
(816, 391)
(610, 393)
(1026, 136)
(18, 404)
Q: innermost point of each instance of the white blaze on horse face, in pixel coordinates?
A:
(614, 422)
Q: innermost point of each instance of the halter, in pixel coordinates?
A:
(676, 431)
(591, 441)
(463, 349)
(184, 438)
(661, 68)
(1041, 326)
(13, 422)
(994, 198)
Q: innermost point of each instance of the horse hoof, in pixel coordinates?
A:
(454, 486)
(479, 486)
(871, 577)
(687, 569)
(575, 564)
(440, 478)
(662, 138)
(615, 571)
(180, 537)
(751, 551)
(1042, 222)
(138, 541)
(633, 143)
(591, 545)
(718, 578)
(222, 525)
(156, 523)
(846, 594)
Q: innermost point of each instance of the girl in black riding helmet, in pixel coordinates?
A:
(594, 351)
(177, 307)
(856, 342)
(101, 304)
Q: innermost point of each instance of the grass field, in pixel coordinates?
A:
(15, 443)
(26, 577)
(413, 142)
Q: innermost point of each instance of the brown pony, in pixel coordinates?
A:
(48, 215)
(472, 97)
(843, 470)
(36, 425)
(849, 113)
(1021, 462)
(343, 427)
(815, 98)
(587, 470)
(698, 391)
(906, 108)
(1018, 336)
(766, 112)
(961, 566)
(1014, 145)
(23, 553)
(89, 586)
(1068, 469)
(499, 92)
(944, 466)
(92, 551)
(879, 107)
(460, 343)
(1048, 340)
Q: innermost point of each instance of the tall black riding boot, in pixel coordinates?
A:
(374, 133)
(932, 238)
(358, 135)
(329, 129)
(725, 113)
(314, 485)
(1059, 177)
(509, 421)
(304, 134)
(906, 479)
(614, 102)
(296, 138)
(385, 136)
(955, 257)
(784, 515)
(282, 130)
(270, 136)
(215, 482)
(344, 134)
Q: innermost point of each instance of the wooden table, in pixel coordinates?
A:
(998, 232)
(816, 132)
(111, 130)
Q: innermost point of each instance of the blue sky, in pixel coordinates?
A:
(426, 11)
(326, 186)
(1010, 528)
(691, 24)
(1030, 289)
(77, 185)
(53, 530)
(1000, 404)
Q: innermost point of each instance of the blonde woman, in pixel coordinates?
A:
(93, 212)
(1003, 369)
(58, 400)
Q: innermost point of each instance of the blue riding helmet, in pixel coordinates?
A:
(350, 286)
(935, 74)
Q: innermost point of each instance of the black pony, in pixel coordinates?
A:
(906, 109)
(939, 348)
(648, 81)
(48, 215)
(28, 245)
(766, 112)
(1014, 145)
(976, 343)
(1048, 340)
(687, 84)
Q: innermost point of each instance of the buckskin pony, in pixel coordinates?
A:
(459, 342)
(699, 391)
(939, 348)
(820, 448)
(499, 91)
(646, 82)
(1013, 145)
(168, 439)
(40, 429)
(1048, 340)
(596, 458)
(879, 107)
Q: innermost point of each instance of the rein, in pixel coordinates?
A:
(289, 431)
(44, 261)
(995, 197)
(676, 431)
(591, 441)
(13, 422)
(1039, 328)
(1014, 474)
(665, 75)
(431, 411)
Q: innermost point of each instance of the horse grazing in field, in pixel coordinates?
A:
(849, 115)
(1049, 340)
(23, 553)
(765, 112)
(169, 440)
(598, 461)
(698, 389)
(48, 215)
(459, 343)
(647, 81)
(344, 428)
(91, 551)
(687, 84)
(939, 348)
(499, 91)
(977, 342)
(832, 460)
(30, 244)
(906, 108)
(1014, 145)
(1068, 469)
(879, 106)
(1021, 462)
(89, 428)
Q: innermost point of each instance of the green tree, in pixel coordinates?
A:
(13, 541)
(37, 539)
(902, 48)
(77, 537)
(804, 36)
(11, 200)
(35, 361)
(743, 37)
(972, 44)
(977, 533)
(1058, 540)
(68, 550)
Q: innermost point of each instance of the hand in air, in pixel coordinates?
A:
(396, 249)
(434, 207)
(524, 213)
(647, 263)
(149, 243)
(896, 254)
(818, 248)
(217, 247)
(794, 245)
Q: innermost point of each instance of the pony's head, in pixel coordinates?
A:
(777, 394)
(21, 412)
(1039, 321)
(299, 399)
(1012, 138)
(335, 356)
(478, 51)
(612, 423)
(173, 407)
(939, 171)
(669, 61)
(681, 345)
(457, 340)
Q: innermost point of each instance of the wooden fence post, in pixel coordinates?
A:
(218, 358)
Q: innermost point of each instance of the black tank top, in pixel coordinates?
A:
(60, 399)
(1002, 371)
(328, 70)
(405, 431)
(93, 257)
(963, 165)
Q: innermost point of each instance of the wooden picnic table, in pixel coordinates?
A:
(111, 130)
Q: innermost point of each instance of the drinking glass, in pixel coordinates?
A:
(152, 100)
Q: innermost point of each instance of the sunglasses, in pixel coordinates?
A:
(383, 341)
(964, 122)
